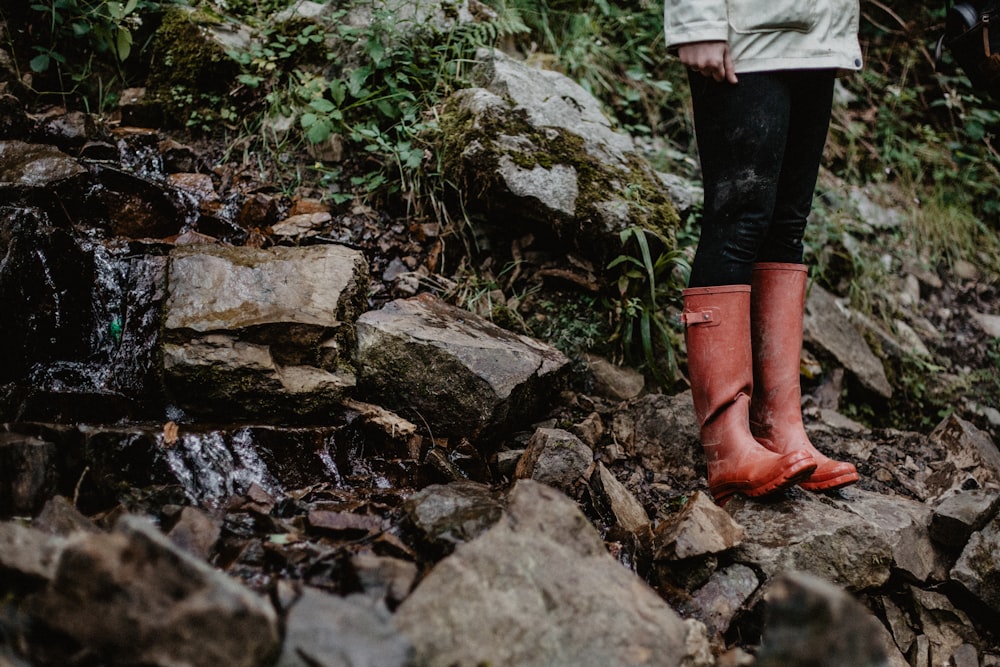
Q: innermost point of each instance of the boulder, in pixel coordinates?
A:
(261, 332)
(828, 326)
(539, 588)
(451, 369)
(534, 153)
(133, 597)
(809, 621)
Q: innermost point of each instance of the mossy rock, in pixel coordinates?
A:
(190, 71)
(581, 201)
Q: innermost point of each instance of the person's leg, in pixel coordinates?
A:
(742, 132)
(779, 289)
(810, 101)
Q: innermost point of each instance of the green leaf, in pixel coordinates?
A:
(356, 80)
(123, 43)
(318, 132)
(40, 63)
(322, 105)
(338, 91)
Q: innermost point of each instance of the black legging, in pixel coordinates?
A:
(760, 142)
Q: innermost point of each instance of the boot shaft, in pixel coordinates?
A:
(717, 335)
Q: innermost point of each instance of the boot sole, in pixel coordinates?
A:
(790, 476)
(831, 484)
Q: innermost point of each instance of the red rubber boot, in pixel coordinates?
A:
(776, 307)
(717, 332)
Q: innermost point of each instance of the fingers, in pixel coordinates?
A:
(711, 59)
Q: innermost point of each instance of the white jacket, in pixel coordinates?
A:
(771, 34)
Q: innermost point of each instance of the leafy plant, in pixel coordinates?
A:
(642, 330)
(75, 44)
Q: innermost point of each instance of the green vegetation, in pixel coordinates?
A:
(372, 88)
(648, 274)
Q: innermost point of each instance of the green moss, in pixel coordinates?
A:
(189, 72)
(649, 206)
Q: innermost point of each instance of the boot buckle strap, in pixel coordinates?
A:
(706, 317)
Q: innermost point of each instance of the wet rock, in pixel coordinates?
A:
(700, 528)
(137, 204)
(131, 596)
(456, 370)
(618, 383)
(14, 122)
(810, 621)
(69, 131)
(209, 465)
(828, 326)
(455, 512)
(623, 505)
(28, 473)
(557, 458)
(717, 602)
(81, 324)
(138, 110)
(177, 158)
(25, 167)
(514, 596)
(29, 552)
(261, 332)
(978, 568)
(958, 516)
(323, 630)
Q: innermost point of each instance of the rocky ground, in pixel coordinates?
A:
(551, 515)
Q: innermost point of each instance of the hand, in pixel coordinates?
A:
(708, 59)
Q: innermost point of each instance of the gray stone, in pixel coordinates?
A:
(196, 532)
(978, 568)
(133, 597)
(539, 588)
(828, 325)
(700, 528)
(459, 372)
(626, 509)
(323, 630)
(28, 473)
(809, 621)
(716, 603)
(29, 552)
(904, 524)
(944, 626)
(661, 431)
(619, 383)
(959, 515)
(555, 457)
(809, 535)
(261, 332)
(532, 144)
(455, 512)
(384, 578)
(969, 449)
